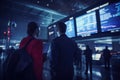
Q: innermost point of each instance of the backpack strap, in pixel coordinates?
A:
(28, 43)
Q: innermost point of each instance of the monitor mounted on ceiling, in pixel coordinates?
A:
(70, 32)
(110, 18)
(86, 24)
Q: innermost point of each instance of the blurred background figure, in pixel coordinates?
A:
(88, 58)
(1, 50)
(78, 60)
(106, 57)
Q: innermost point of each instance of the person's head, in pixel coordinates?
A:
(61, 27)
(87, 47)
(106, 47)
(33, 29)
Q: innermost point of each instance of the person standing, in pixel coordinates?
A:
(35, 49)
(63, 51)
(1, 50)
(106, 56)
(88, 58)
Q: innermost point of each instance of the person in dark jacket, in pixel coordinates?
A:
(63, 50)
(88, 58)
(35, 48)
(106, 56)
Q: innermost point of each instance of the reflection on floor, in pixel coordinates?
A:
(98, 72)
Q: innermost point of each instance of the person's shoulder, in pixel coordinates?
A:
(56, 39)
(37, 40)
(23, 39)
(72, 41)
(104, 50)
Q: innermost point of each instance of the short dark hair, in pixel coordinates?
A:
(62, 27)
(87, 46)
(32, 26)
(106, 47)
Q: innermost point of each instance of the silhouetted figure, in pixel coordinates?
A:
(78, 56)
(35, 49)
(88, 58)
(106, 56)
(63, 50)
(1, 50)
(78, 61)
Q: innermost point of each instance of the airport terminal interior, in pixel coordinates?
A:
(89, 22)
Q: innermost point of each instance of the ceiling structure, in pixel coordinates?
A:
(45, 11)
(49, 10)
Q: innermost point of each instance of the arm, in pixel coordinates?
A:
(76, 52)
(54, 58)
(38, 59)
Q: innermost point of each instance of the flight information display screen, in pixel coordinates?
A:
(110, 18)
(52, 32)
(70, 32)
(86, 24)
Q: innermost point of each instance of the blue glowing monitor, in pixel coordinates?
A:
(52, 32)
(70, 32)
(110, 17)
(86, 24)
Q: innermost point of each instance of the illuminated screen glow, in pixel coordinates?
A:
(52, 32)
(70, 32)
(110, 17)
(96, 56)
(86, 24)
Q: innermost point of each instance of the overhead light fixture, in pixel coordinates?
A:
(47, 4)
(42, 9)
(38, 2)
(98, 7)
(71, 18)
(51, 0)
(73, 9)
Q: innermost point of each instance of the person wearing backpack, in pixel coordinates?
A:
(34, 48)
